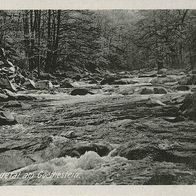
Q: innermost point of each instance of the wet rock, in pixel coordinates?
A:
(154, 102)
(133, 151)
(174, 119)
(193, 89)
(25, 106)
(12, 104)
(44, 85)
(188, 107)
(160, 80)
(182, 88)
(46, 76)
(25, 97)
(148, 74)
(119, 82)
(80, 91)
(192, 80)
(193, 71)
(162, 179)
(11, 95)
(29, 84)
(77, 77)
(80, 149)
(6, 118)
(92, 81)
(66, 84)
(126, 91)
(188, 80)
(3, 97)
(6, 84)
(69, 134)
(162, 71)
(146, 91)
(160, 90)
(108, 80)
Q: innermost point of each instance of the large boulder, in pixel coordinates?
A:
(80, 91)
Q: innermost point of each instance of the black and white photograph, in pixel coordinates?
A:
(98, 97)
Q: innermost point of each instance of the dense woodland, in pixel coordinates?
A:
(82, 40)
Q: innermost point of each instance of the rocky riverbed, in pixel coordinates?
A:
(121, 133)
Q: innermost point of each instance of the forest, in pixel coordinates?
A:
(98, 97)
(59, 40)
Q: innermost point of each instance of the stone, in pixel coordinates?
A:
(119, 82)
(46, 76)
(160, 80)
(162, 71)
(108, 80)
(148, 74)
(154, 102)
(6, 84)
(25, 106)
(174, 119)
(92, 81)
(6, 118)
(69, 134)
(66, 84)
(134, 151)
(193, 71)
(29, 84)
(162, 179)
(25, 97)
(80, 91)
(12, 104)
(146, 91)
(188, 107)
(77, 77)
(80, 149)
(44, 85)
(11, 95)
(3, 97)
(160, 90)
(182, 88)
(188, 80)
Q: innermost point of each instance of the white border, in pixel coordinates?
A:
(98, 4)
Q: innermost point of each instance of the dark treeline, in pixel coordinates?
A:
(79, 40)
